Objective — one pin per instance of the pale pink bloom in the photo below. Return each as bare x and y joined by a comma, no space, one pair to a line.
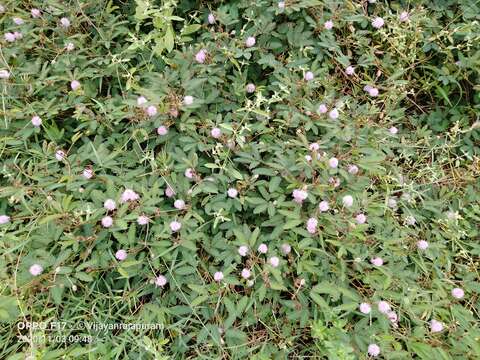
334,181
308,76
246,273
308,158
190,173
333,162
143,220
378,22
392,203
286,248
4,219
410,220
250,41
70,46
392,316
121,255
110,204
218,276
188,100
175,226
422,245
75,84
151,110
169,192
458,293
323,206
232,192
179,204
141,100
299,195
18,35
4,74
350,70
383,307
107,221
393,130
436,326
373,350
373,91
18,21
160,281
201,56
365,308
328,25
243,250
314,146
347,200
36,121
216,133
64,22
333,114
263,248
353,169
162,130
250,88
10,37
361,219
211,19
404,16
377,261
274,261
87,173
35,13
129,195
312,225
2,9
322,108
36,269
281,4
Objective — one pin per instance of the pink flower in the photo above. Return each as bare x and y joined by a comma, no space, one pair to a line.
121,255
378,22
361,219
274,261
333,162
64,22
188,100
410,220
250,41
160,281
87,173
190,173
18,35
328,25
347,200
392,316
60,155
35,13
36,269
141,100
353,169
373,92
422,245
36,121
218,276
243,250
458,293
2,9
18,21
216,133
107,221
4,219
286,248
143,220
323,206
365,308
4,74
211,19
436,326
312,225
129,195
393,130
404,16
232,192
377,261
201,56
151,110
350,70
109,204
162,130
169,192
392,203
246,273
322,108
175,226
263,248
308,76
333,114
308,158
281,4
373,350
314,146
10,37
383,307
75,85
70,46
250,88
299,195
179,204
